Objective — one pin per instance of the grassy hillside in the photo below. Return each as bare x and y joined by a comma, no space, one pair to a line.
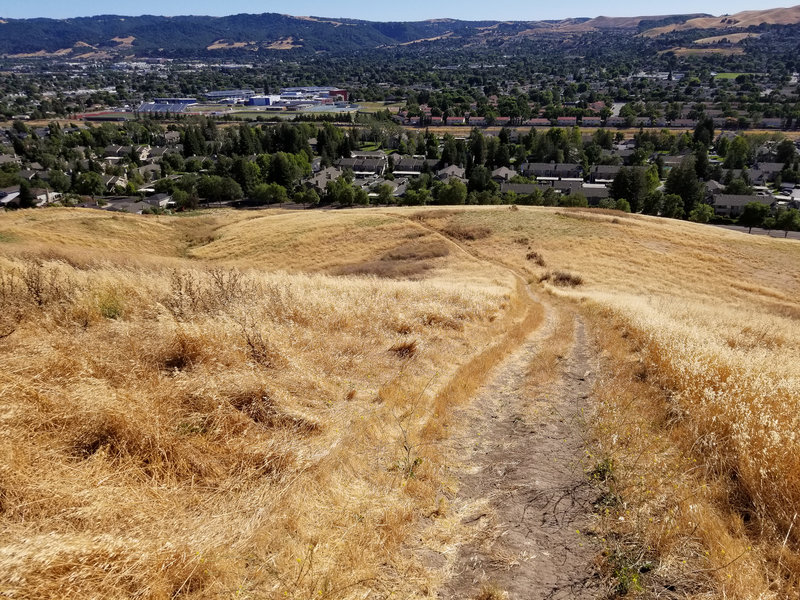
252,403
189,36
698,402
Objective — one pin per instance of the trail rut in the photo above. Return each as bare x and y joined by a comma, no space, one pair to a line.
524,493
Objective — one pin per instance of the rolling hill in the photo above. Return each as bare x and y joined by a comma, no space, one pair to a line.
106,36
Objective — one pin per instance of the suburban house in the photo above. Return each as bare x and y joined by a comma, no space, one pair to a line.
9,196
321,179
538,122
362,167
451,172
732,205
551,170
503,174
410,166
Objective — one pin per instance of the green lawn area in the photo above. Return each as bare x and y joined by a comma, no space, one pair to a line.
729,75
371,107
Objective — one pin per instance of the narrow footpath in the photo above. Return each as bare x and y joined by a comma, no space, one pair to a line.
523,490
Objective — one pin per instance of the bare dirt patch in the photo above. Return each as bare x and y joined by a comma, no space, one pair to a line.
524,493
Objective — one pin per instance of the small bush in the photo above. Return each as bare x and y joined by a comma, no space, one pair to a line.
405,349
562,279
110,304
535,257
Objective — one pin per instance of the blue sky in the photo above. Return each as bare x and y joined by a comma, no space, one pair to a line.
405,10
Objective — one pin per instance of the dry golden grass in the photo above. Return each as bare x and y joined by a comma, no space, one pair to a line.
201,406
176,427
698,403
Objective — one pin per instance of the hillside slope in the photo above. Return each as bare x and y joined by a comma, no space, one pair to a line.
744,19
109,35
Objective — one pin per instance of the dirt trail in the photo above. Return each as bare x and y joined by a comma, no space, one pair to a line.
523,488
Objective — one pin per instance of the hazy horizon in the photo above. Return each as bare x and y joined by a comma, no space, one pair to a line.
411,11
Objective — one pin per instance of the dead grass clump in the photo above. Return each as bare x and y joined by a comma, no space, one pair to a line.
491,592
536,257
417,251
440,320
261,350
386,269
467,233
183,351
562,278
109,437
106,432
36,283
261,408
409,260
438,213
405,349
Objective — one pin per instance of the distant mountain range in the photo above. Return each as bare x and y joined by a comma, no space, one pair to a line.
109,36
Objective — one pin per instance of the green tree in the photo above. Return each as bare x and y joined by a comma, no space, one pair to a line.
25,198
753,215
481,180
269,193
739,187
631,184
361,197
653,203
454,192
384,192
786,152
672,206
183,200
704,132
578,200
215,188
683,181
702,213
59,180
340,191
246,173
309,196
738,154
284,169
89,184
788,220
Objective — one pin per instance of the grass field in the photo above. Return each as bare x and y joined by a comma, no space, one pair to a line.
729,75
233,404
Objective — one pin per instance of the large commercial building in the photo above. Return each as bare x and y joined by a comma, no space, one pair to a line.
230,95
